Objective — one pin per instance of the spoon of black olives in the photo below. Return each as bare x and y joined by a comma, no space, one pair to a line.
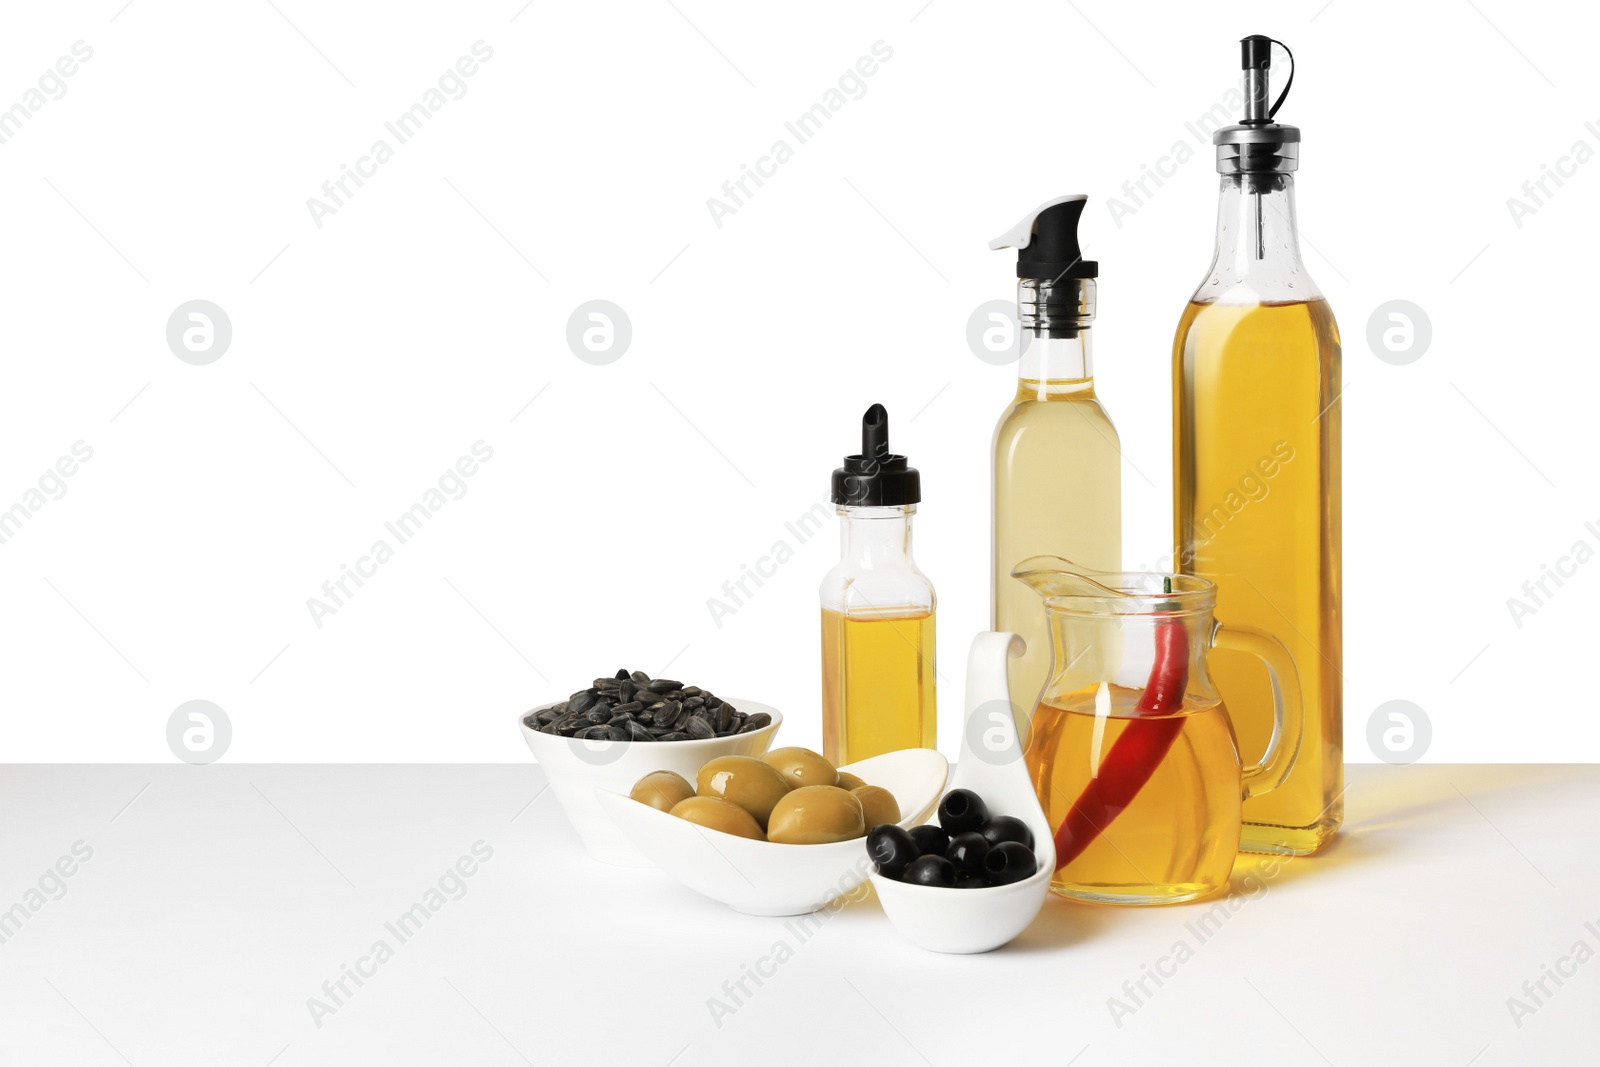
968,849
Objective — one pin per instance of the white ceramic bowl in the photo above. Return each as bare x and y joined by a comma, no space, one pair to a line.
979,920
763,878
576,768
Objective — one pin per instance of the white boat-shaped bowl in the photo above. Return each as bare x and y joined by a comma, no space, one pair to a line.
763,878
576,768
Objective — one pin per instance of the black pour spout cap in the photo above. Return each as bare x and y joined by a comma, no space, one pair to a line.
1046,241
876,478
1255,52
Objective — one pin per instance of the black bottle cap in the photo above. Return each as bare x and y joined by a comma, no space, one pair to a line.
877,478
1255,52
1046,241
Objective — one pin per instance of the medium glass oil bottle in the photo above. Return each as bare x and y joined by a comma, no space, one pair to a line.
1256,440
1057,459
878,692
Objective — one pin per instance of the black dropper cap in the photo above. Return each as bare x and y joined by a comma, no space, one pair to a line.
876,478
1053,253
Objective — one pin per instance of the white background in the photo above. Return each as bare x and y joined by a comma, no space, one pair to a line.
368,354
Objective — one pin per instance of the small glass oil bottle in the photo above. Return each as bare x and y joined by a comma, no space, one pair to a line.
877,609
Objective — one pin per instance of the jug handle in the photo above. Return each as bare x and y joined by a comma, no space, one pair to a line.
1287,717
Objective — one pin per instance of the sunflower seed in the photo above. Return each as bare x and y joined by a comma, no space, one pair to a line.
669,713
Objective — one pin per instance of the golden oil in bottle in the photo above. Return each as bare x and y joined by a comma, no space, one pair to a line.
878,693
1057,492
1256,439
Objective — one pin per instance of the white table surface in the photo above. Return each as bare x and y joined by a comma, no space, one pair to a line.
219,899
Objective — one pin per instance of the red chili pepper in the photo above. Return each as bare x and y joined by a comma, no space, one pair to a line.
1139,750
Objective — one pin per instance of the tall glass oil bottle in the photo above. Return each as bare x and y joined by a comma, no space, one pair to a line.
878,678
1256,464
1057,459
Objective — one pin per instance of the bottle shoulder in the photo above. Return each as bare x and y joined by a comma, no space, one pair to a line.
882,592
1032,415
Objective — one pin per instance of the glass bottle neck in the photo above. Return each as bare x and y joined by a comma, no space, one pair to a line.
875,536
1056,354
1257,257
1052,367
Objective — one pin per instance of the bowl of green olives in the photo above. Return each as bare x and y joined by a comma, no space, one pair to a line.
578,762
778,835
978,878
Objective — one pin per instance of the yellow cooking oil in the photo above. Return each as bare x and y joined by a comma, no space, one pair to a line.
1257,490
878,692
1057,492
1176,839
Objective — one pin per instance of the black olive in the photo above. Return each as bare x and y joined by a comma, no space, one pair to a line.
962,810
1006,828
976,881
930,840
930,870
1009,862
966,852
892,849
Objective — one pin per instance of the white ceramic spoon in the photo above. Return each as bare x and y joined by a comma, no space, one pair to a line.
991,765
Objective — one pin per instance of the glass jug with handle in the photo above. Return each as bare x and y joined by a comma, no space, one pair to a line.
1131,750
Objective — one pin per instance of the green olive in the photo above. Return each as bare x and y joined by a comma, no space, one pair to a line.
877,804
801,766
714,813
662,789
746,781
849,781
816,815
